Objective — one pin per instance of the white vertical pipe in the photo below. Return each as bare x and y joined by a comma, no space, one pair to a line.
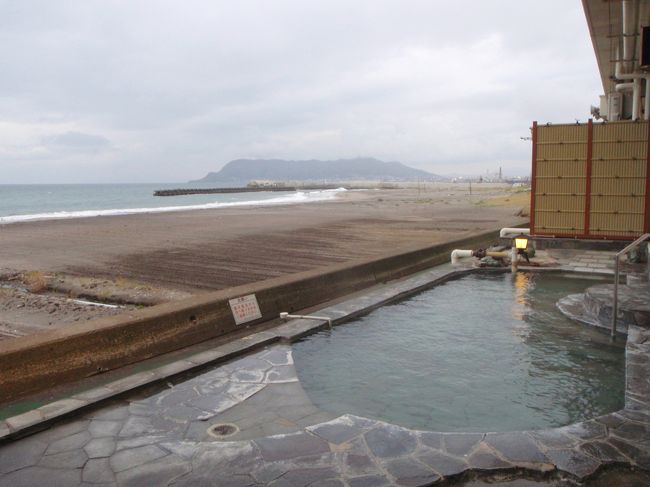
636,99
646,104
626,11
629,25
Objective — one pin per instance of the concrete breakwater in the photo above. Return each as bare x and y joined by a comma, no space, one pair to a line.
254,189
182,191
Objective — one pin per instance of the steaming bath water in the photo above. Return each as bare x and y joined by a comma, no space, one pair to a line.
487,352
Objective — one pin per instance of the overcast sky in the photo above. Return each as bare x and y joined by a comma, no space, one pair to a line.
157,91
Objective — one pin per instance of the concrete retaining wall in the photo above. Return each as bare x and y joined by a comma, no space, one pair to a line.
35,363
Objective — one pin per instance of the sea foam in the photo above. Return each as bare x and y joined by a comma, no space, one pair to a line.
296,198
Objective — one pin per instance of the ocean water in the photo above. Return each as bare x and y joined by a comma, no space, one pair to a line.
19,203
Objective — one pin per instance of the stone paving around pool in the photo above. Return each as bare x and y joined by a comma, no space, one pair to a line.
159,437
587,260
159,434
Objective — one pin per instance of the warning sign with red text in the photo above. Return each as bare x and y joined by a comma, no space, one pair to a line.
245,309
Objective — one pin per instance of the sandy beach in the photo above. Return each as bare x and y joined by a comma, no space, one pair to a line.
146,259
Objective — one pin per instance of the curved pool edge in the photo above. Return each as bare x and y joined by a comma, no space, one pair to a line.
351,447
370,447
419,457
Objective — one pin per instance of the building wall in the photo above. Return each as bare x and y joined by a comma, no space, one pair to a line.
591,180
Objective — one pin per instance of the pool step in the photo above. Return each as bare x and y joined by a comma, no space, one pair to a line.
594,307
635,279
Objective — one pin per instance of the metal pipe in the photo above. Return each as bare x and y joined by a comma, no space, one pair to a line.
618,74
625,62
622,87
646,104
628,76
629,27
628,248
636,98
511,232
456,255
285,316
615,304
496,254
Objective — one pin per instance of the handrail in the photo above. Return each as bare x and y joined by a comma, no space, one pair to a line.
631,246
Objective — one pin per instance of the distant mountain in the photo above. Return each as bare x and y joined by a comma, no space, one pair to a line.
242,171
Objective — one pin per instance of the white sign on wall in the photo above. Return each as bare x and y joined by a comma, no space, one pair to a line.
245,309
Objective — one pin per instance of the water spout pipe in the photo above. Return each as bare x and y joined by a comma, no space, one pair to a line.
285,316
458,253
511,232
497,254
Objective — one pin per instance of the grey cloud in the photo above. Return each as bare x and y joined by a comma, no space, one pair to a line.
76,141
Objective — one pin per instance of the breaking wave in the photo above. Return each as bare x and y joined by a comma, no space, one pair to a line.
296,198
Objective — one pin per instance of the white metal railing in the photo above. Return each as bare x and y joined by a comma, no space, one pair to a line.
632,246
